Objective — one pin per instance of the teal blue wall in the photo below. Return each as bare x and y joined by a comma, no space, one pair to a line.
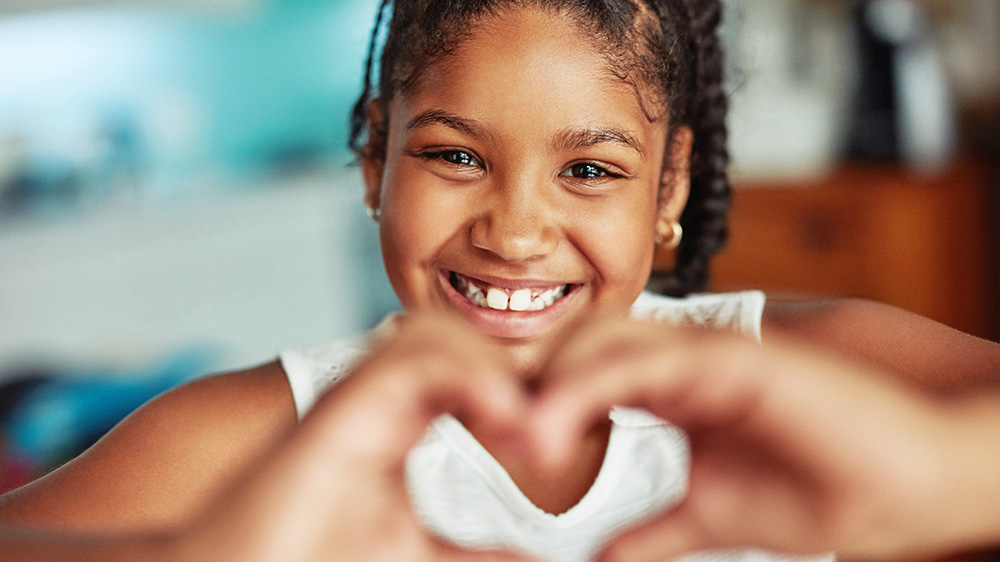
201,98
283,79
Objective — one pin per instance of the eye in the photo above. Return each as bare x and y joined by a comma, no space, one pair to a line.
588,171
456,157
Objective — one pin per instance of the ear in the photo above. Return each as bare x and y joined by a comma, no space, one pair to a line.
675,183
372,157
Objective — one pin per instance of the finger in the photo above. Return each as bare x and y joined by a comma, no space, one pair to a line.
655,369
428,369
694,379
664,537
490,557
387,415
451,553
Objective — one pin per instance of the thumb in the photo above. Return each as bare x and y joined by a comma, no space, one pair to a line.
664,537
452,553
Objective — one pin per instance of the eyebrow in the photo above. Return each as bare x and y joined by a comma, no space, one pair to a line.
468,127
584,138
569,138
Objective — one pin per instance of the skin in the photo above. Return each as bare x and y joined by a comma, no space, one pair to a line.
913,348
291,506
514,220
507,209
793,449
466,188
327,464
857,484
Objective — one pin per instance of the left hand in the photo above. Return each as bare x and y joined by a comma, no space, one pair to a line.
791,452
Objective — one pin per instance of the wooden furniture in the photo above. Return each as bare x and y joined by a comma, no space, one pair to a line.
920,242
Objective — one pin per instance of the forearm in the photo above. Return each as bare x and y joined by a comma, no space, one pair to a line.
910,347
971,509
29,545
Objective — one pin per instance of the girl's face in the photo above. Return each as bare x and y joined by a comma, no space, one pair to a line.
521,186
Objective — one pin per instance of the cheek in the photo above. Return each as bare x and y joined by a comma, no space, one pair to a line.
416,224
406,232
619,244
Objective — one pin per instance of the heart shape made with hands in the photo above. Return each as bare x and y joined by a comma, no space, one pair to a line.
539,436
703,382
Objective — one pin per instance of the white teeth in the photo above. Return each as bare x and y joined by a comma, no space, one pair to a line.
520,300
549,297
496,299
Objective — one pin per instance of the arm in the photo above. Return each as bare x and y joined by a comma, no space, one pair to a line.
164,462
20,545
329,489
792,451
889,339
336,489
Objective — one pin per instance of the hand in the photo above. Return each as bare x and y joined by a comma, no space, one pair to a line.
335,490
791,452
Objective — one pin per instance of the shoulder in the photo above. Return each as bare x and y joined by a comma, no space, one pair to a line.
894,340
260,393
167,459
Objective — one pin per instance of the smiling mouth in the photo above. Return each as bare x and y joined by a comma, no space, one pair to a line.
498,298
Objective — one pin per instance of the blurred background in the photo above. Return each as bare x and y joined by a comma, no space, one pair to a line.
865,146
176,196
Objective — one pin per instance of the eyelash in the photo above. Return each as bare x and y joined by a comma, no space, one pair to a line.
466,158
601,171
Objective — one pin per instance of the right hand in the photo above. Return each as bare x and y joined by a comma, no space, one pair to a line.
335,489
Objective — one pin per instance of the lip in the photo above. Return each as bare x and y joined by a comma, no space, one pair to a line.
508,324
513,284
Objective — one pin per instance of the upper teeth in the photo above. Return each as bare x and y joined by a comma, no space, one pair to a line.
518,300
497,299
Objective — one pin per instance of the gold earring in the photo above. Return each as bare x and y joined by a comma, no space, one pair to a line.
374,213
676,233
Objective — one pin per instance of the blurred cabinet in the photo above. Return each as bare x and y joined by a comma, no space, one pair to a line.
919,242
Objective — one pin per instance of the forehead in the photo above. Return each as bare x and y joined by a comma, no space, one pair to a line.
534,68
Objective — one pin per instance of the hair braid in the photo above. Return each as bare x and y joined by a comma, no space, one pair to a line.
704,217
359,113
670,45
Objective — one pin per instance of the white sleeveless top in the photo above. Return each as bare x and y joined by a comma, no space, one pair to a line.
464,495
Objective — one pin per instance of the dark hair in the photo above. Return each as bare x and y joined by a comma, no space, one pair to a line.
669,50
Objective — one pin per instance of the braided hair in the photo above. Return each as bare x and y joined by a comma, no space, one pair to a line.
669,50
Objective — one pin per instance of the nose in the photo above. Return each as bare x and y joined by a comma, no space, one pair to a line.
516,223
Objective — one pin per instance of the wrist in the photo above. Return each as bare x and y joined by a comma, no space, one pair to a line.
971,502
148,548
29,545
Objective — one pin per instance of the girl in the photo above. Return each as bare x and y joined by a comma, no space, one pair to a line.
523,160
